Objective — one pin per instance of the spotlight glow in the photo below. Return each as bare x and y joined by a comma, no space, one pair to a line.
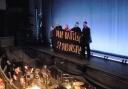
34,87
68,86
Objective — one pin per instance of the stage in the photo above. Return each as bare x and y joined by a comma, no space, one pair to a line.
106,73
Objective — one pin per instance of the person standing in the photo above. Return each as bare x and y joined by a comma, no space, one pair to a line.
76,28
85,40
66,28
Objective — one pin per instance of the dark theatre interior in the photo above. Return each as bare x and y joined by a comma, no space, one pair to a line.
63,44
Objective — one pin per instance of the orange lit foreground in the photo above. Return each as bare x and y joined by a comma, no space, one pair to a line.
34,87
2,86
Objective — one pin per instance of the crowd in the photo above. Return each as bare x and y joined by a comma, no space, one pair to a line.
26,77
23,75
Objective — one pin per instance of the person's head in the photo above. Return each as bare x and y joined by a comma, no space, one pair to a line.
26,67
52,27
66,26
85,24
77,24
17,69
45,66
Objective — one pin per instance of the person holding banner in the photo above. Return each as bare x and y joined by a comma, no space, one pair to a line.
66,28
85,40
76,28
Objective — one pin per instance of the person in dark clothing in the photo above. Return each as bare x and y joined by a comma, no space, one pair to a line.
3,61
58,27
53,36
6,65
76,28
85,40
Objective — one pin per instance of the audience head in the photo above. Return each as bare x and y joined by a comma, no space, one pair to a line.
17,69
45,66
26,67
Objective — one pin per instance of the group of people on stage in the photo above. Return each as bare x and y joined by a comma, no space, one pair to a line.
85,39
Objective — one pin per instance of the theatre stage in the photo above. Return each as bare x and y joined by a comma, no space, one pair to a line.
105,73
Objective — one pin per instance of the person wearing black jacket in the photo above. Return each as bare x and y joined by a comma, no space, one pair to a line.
85,40
76,28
